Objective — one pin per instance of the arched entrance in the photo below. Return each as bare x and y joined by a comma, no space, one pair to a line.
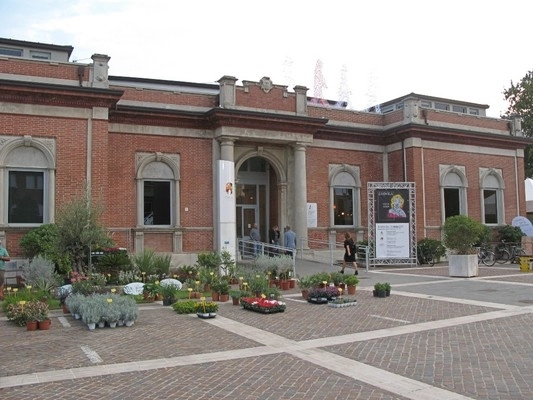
256,197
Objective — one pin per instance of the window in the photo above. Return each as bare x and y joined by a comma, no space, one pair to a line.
492,186
453,190
460,109
8,51
490,203
40,55
452,203
156,203
442,106
26,197
157,186
343,206
473,111
27,183
345,191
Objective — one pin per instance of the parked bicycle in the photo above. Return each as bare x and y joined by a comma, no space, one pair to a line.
486,256
425,256
501,253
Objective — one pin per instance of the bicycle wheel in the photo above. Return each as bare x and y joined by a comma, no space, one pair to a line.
502,256
488,258
430,260
519,252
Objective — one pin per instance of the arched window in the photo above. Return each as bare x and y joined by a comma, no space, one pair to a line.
345,194
453,191
28,180
491,184
158,185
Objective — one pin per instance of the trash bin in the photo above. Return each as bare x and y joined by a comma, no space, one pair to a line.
525,263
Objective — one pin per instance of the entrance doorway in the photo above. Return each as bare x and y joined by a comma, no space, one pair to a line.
254,198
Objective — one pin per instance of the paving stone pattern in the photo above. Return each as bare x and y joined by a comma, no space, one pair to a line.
435,337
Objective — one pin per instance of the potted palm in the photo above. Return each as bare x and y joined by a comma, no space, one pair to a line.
461,233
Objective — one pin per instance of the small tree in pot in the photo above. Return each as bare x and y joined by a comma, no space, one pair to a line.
461,234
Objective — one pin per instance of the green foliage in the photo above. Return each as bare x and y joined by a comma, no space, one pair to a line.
39,274
162,264
144,262
461,233
43,241
79,230
510,234
185,307
351,280
209,260
431,246
113,260
520,98
380,287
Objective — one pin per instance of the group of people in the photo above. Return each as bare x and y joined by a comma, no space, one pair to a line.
274,235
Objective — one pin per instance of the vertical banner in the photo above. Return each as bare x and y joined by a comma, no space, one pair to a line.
226,219
394,221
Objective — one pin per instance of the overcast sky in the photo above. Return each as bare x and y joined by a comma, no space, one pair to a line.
467,50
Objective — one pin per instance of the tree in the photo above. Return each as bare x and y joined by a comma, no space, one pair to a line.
79,230
520,98
42,241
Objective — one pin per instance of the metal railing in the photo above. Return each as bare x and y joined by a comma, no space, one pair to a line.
329,253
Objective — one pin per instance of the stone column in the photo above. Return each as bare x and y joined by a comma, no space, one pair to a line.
226,149
300,195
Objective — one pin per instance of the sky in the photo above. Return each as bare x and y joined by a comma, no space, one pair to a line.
370,51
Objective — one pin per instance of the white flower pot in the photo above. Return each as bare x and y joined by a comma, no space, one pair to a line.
464,266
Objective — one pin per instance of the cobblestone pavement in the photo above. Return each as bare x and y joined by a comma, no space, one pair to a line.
435,337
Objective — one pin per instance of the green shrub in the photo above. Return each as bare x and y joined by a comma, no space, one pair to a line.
510,234
431,246
462,233
185,307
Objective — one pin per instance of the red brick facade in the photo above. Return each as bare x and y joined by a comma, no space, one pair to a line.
113,125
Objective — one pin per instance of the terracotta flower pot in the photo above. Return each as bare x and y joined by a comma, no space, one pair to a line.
351,289
224,297
215,296
31,325
44,325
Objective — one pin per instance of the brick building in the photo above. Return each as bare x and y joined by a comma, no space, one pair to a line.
150,152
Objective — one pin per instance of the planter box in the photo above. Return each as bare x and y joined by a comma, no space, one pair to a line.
317,300
464,266
347,303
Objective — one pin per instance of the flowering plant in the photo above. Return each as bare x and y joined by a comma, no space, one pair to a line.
206,307
328,292
262,305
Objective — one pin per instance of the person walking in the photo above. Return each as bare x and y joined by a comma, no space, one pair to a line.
289,239
273,237
350,251
4,256
255,235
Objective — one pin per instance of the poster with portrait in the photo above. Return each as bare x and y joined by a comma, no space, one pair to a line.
392,205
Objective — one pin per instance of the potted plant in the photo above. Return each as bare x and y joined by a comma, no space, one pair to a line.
351,281
18,313
169,292
223,289
235,296
111,311
380,290
91,313
206,309
461,234
304,283
387,288
129,312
